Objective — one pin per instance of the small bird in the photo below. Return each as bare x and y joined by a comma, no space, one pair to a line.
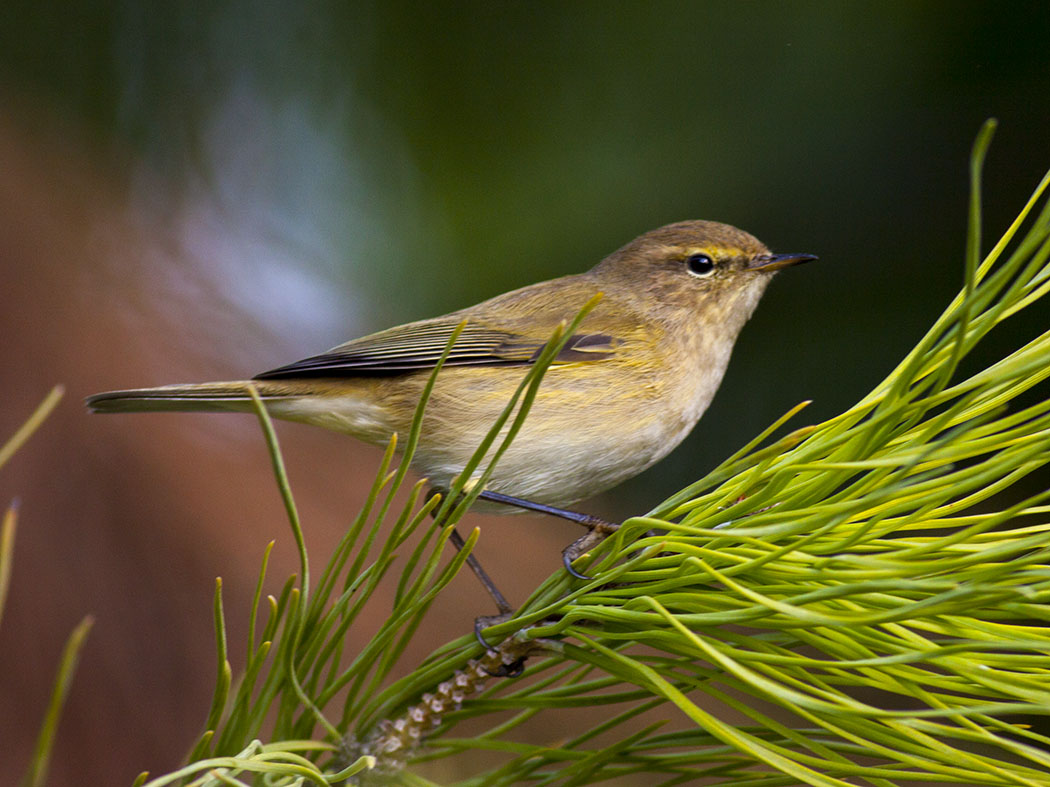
624,390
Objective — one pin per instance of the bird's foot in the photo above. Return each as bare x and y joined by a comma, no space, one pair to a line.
506,660
597,531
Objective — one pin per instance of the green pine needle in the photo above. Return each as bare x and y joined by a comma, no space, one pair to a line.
853,588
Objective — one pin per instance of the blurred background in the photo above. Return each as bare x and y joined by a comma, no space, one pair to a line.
197,191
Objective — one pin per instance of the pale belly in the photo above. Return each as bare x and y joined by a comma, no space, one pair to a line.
559,471
575,441
583,434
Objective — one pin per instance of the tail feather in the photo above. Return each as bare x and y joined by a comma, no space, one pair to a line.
202,397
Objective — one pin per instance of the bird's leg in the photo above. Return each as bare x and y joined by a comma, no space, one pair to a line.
505,609
597,528
482,575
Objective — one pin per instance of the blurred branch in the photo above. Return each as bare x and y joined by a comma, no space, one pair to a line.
26,430
36,775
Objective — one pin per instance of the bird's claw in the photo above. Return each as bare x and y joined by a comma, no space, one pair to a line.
484,622
512,670
504,670
566,559
596,533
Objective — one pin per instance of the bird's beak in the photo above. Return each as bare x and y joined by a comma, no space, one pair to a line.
774,262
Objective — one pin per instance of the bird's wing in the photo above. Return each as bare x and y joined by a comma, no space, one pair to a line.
419,345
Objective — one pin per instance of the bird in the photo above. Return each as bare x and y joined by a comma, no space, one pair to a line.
624,390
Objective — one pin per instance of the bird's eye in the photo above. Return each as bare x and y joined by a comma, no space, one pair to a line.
699,265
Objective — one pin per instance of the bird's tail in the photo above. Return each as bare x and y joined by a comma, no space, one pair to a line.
199,397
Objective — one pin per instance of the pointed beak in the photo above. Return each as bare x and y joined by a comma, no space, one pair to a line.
774,262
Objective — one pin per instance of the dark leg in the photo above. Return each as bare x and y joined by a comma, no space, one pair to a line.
482,575
597,528
505,609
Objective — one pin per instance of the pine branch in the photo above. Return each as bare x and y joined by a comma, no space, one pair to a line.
851,587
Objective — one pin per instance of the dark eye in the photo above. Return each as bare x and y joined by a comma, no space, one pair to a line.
699,264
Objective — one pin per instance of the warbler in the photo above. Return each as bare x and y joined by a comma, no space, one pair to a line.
624,390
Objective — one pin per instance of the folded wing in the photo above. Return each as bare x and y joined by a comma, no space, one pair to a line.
417,346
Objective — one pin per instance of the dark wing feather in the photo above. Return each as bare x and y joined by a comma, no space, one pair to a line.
416,346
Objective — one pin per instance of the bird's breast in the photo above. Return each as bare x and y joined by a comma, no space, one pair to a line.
592,424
